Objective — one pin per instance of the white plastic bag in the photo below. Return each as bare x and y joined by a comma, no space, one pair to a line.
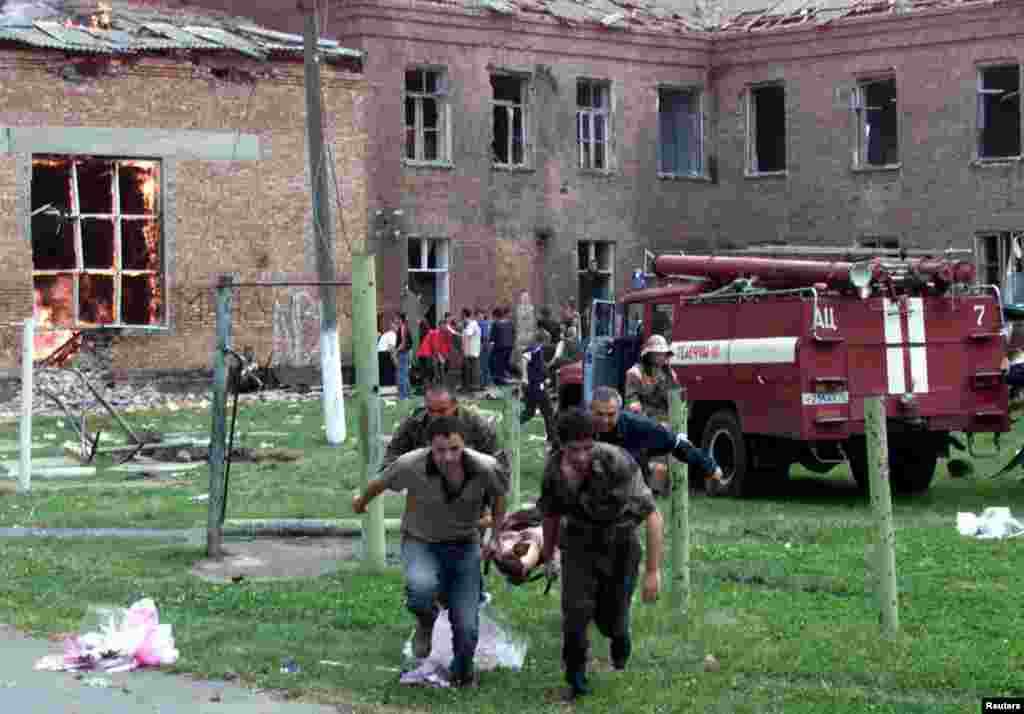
496,647
994,522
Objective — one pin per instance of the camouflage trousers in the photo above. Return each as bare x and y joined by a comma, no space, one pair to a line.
599,576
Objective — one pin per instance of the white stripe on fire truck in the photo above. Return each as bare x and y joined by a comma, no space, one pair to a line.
894,355
764,350
918,351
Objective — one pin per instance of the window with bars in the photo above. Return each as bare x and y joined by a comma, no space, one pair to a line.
510,107
593,108
878,143
97,242
426,116
999,112
680,132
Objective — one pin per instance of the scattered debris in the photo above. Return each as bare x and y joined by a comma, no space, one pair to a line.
116,640
290,666
711,663
200,499
994,522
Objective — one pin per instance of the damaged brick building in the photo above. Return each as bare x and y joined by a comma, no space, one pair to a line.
515,141
144,152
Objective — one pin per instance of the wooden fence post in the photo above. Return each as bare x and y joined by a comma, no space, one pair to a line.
679,477
25,429
364,338
218,428
881,503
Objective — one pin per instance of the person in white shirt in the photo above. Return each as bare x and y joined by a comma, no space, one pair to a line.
388,341
470,352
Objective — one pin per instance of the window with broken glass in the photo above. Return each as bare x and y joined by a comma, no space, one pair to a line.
766,129
995,257
592,111
426,114
999,112
874,104
508,147
97,242
680,132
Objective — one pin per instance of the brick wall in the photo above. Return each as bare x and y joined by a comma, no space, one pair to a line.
249,218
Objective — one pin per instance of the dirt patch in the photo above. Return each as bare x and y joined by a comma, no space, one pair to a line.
279,558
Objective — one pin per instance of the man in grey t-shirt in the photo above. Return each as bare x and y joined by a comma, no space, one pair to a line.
446,484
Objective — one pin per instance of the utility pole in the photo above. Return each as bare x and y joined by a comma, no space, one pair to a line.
323,235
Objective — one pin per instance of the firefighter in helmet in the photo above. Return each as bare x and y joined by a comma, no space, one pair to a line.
647,386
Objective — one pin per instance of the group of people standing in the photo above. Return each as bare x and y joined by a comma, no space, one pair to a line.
486,342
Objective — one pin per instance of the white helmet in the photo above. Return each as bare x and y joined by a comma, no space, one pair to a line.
656,343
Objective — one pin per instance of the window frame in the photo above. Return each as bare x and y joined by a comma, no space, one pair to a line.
750,165
117,272
858,102
526,91
607,111
979,111
701,135
444,132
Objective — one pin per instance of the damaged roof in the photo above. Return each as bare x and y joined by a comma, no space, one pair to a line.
121,27
700,15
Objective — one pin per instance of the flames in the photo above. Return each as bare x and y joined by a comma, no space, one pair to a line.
68,299
49,310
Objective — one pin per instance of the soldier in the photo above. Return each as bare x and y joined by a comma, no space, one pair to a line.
447,484
439,400
600,492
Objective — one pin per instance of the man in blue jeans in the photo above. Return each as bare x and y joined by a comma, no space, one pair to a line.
485,348
446,485
404,349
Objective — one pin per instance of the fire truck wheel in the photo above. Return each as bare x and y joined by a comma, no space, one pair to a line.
911,465
723,437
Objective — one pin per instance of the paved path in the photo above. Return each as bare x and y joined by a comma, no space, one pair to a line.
25,691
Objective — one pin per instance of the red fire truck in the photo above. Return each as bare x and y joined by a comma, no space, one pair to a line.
776,357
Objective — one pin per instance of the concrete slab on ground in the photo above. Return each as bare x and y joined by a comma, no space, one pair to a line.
150,691
279,558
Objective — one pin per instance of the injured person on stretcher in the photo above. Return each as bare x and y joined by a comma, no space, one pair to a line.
521,545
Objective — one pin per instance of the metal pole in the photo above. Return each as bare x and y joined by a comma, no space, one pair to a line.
218,428
324,238
680,510
364,338
25,430
881,504
511,437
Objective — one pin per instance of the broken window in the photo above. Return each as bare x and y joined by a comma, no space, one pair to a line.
428,275
999,112
97,245
509,103
596,269
592,110
680,132
766,129
877,123
426,114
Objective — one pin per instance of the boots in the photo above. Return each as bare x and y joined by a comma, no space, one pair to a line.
620,651
424,636
578,685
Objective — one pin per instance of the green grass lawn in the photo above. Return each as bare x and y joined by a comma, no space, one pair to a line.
782,593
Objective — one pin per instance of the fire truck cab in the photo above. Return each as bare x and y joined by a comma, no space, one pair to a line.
777,357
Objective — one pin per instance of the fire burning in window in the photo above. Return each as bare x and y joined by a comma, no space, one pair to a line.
97,246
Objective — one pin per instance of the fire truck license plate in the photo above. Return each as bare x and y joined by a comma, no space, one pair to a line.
811,399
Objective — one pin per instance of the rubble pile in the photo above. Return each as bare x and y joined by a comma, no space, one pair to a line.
92,363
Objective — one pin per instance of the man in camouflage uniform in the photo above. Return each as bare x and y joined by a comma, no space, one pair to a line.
600,493
439,400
